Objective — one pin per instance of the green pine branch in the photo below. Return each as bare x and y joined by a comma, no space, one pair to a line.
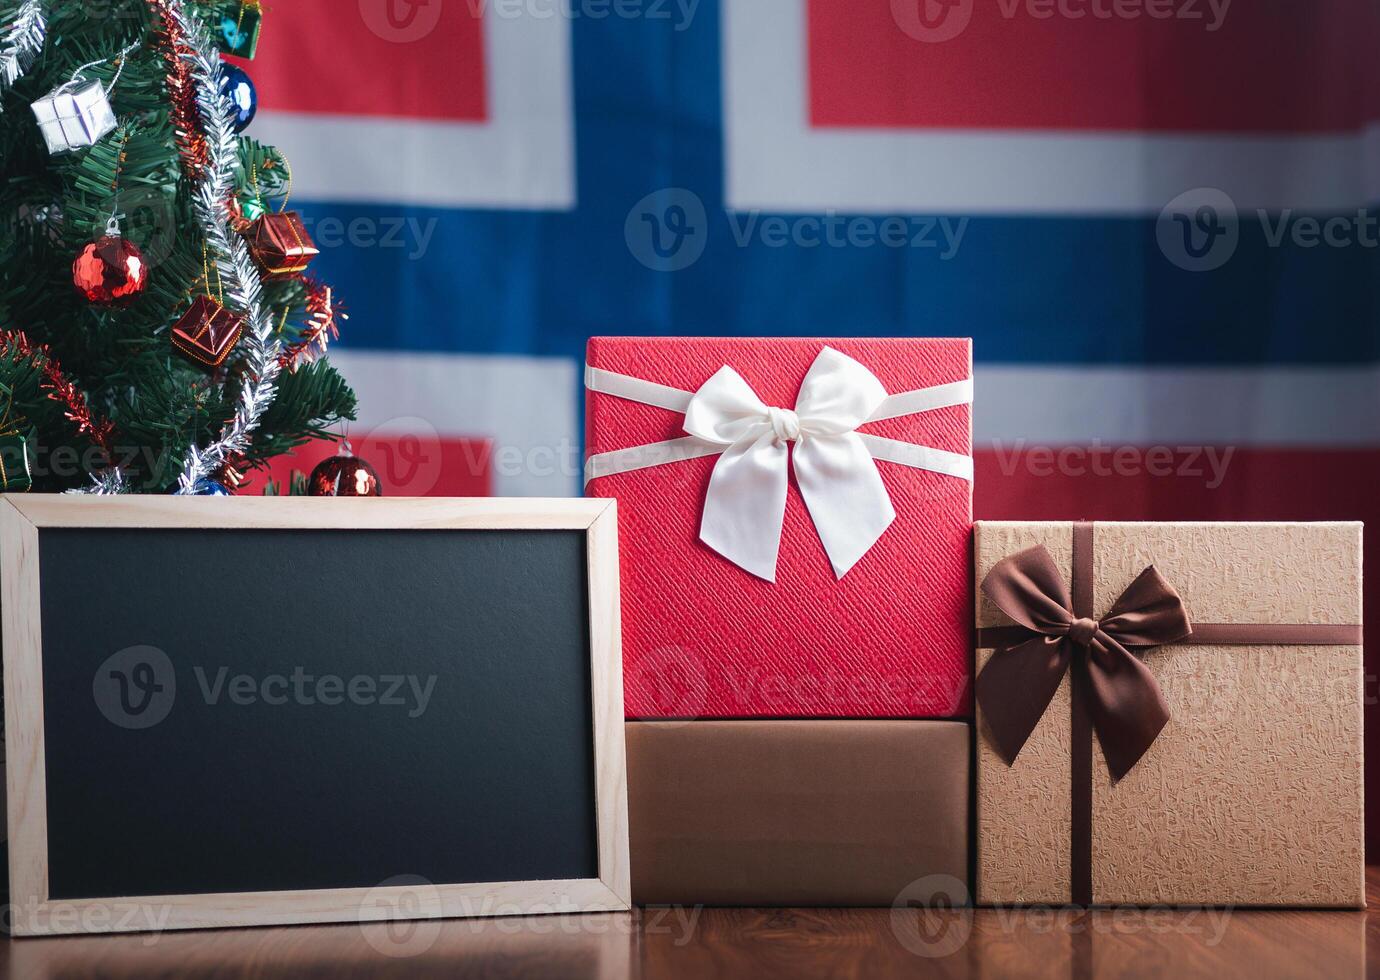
160,402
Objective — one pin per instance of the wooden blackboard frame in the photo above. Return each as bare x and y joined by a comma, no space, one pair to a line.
32,911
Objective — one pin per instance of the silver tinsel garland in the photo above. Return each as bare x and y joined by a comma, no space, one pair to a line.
22,42
257,357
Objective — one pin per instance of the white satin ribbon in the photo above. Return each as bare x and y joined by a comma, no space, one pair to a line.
745,505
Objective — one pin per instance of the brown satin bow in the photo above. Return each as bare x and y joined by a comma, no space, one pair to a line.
1123,701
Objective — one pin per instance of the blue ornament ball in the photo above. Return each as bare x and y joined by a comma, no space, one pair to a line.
210,488
240,87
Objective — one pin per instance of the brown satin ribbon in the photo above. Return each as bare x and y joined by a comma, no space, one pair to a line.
1080,750
1216,635
1110,689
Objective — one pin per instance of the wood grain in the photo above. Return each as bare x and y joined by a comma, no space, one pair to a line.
605,611
26,786
419,513
754,944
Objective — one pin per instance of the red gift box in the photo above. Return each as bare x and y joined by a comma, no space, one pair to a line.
281,245
207,332
886,636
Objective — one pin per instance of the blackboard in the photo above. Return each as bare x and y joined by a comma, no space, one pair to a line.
240,706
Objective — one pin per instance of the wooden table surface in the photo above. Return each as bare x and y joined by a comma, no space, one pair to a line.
750,943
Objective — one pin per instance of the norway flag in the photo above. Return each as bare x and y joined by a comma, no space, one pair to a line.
1153,216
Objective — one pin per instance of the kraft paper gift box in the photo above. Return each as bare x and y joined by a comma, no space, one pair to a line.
789,813
1203,740
794,519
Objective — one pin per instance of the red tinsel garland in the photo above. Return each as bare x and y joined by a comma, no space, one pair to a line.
323,316
182,107
60,389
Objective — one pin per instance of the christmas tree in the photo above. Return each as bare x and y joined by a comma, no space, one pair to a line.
159,331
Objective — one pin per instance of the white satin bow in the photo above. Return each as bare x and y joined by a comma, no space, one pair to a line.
838,479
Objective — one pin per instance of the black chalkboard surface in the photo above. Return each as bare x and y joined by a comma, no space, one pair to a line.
233,716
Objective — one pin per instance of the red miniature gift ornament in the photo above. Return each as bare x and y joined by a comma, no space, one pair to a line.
794,520
207,332
280,245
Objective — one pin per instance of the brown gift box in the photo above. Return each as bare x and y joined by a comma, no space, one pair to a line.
1251,794
791,813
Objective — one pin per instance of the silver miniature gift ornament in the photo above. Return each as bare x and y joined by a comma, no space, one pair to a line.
74,116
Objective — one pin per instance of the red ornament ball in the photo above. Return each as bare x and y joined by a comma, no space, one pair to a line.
344,476
110,271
